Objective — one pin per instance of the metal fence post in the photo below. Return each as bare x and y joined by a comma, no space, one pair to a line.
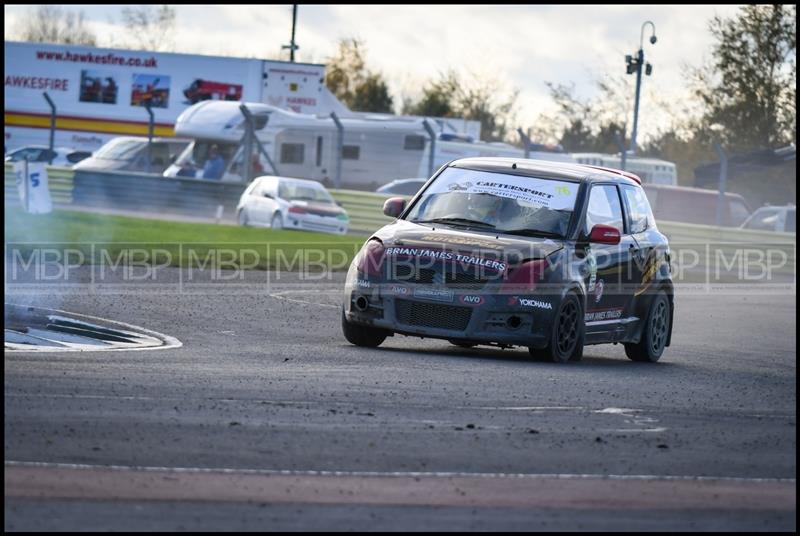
52,125
27,188
723,181
526,142
623,154
254,138
149,135
432,135
339,149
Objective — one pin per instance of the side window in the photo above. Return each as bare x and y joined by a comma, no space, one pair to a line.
765,220
640,217
604,208
414,142
351,152
292,153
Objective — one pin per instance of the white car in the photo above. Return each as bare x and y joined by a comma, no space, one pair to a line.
59,156
782,219
287,203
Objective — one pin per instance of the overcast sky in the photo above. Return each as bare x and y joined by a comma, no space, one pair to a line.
521,46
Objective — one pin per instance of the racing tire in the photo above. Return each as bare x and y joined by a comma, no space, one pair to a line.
277,221
242,218
655,333
566,335
364,336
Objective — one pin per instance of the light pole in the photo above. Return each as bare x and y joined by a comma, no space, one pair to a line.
635,65
292,46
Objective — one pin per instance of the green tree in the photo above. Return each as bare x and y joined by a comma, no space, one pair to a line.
586,125
52,24
353,83
472,98
748,90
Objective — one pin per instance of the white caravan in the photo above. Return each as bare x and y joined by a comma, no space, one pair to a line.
651,170
375,149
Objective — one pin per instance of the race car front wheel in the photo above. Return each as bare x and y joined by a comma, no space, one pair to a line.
277,221
566,334
654,334
362,335
242,216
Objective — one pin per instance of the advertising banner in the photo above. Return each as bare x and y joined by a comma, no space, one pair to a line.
100,93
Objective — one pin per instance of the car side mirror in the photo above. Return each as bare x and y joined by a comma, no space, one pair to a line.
604,234
394,206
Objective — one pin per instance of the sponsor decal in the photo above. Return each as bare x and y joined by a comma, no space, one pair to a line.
608,314
446,255
591,263
530,302
552,194
400,290
472,300
462,241
598,291
363,283
434,294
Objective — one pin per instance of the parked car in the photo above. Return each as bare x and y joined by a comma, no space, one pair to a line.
287,203
59,156
504,252
695,205
128,153
402,187
782,219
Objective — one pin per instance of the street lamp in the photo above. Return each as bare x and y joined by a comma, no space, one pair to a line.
292,46
635,66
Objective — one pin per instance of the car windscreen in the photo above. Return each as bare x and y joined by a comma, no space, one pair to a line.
292,191
120,149
498,202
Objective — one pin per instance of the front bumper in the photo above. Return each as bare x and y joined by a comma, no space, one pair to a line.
482,316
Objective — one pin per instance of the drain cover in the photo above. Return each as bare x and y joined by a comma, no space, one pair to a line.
36,329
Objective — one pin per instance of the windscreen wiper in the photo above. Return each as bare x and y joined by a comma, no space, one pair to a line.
531,232
457,221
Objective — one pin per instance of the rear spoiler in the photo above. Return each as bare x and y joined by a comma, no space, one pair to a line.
626,174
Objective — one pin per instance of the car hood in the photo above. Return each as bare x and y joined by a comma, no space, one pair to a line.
508,249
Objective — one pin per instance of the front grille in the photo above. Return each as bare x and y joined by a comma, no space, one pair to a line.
432,315
449,277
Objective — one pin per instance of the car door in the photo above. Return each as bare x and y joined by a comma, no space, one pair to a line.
645,257
263,201
609,263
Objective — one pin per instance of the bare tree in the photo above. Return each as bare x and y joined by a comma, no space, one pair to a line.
149,27
52,24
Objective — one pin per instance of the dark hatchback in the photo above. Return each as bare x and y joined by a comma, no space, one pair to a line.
508,252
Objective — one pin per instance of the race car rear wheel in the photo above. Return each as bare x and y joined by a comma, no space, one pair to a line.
566,335
655,333
362,335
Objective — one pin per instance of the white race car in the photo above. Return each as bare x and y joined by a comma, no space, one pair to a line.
286,203
59,156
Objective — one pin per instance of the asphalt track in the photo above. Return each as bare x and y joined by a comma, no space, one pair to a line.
266,419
